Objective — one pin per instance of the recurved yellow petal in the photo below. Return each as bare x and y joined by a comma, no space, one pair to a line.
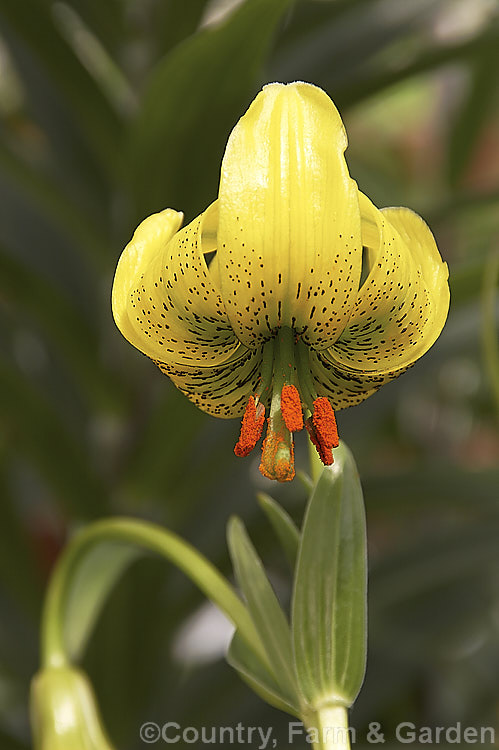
402,306
149,239
342,385
164,298
221,390
289,243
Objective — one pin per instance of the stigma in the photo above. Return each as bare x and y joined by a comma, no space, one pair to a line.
287,391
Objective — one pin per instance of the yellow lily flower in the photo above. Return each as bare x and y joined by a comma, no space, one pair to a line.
257,305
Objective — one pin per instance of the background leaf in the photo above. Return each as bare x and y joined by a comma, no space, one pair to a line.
177,142
257,676
283,525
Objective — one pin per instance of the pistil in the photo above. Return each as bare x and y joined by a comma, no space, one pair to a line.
277,452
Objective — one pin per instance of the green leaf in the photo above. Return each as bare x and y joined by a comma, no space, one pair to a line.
106,20
169,26
191,103
329,601
475,110
95,576
283,525
335,44
376,79
33,23
257,675
265,610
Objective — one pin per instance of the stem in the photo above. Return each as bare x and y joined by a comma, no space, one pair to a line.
147,538
328,728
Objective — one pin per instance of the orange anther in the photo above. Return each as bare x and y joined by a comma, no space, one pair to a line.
325,452
251,427
322,430
324,422
291,408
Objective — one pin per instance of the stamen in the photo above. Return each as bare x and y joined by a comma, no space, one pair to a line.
251,427
286,415
325,453
291,408
278,455
322,430
325,422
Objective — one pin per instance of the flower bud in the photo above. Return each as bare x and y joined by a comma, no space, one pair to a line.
64,712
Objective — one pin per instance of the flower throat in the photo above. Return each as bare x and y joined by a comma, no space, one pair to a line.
286,384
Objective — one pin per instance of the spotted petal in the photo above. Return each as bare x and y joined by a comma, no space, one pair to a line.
289,244
344,387
150,237
164,299
221,390
401,308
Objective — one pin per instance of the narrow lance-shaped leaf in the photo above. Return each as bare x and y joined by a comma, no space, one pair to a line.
475,109
265,610
283,525
257,675
329,602
428,60
93,580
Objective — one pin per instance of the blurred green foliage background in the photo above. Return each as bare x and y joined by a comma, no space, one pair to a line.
113,109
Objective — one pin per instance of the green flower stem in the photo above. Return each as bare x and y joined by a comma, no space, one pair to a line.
145,537
328,728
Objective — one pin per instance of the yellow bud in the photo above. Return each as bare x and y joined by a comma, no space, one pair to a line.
64,712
